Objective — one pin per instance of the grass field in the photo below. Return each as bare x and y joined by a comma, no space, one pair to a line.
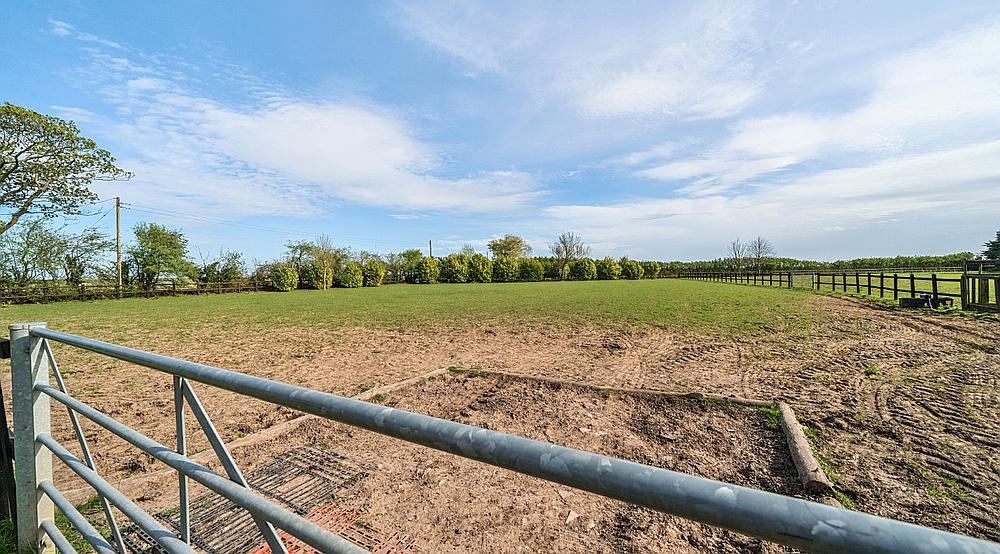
922,287
669,303
849,371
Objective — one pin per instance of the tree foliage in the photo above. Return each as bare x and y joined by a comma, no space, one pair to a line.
505,269
283,278
373,272
454,269
351,276
650,269
759,250
480,269
157,253
992,251
532,270
46,166
228,267
426,271
568,247
631,269
608,269
583,269
510,246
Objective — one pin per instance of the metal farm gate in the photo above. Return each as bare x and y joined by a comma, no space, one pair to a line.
790,521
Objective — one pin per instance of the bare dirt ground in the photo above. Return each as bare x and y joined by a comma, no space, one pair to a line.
904,406
449,504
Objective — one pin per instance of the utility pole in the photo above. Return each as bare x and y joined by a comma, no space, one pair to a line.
430,249
118,240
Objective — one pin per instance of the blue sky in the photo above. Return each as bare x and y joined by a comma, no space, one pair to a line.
655,130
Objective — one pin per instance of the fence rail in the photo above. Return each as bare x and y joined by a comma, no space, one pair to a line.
783,279
786,520
976,288
877,284
53,293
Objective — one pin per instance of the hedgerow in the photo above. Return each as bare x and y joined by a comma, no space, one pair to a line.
532,270
608,269
352,276
373,273
583,269
651,270
283,278
505,269
315,276
426,270
480,269
454,269
631,269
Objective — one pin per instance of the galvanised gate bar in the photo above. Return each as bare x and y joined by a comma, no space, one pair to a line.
790,521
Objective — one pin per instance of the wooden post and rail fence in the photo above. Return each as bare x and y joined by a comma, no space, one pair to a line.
976,288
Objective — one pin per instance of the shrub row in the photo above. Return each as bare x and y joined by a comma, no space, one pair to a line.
284,277
459,268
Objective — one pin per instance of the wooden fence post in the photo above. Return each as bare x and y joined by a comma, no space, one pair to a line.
857,283
895,286
934,286
881,285
869,283
913,287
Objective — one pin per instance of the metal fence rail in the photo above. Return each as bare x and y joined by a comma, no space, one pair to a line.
790,521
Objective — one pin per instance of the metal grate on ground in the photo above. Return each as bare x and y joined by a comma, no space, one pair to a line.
347,523
301,480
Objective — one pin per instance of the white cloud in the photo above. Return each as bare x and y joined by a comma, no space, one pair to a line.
63,29
608,61
854,198
278,153
939,96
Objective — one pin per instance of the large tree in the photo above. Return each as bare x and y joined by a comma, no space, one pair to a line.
158,252
30,253
759,251
568,247
510,246
736,254
46,166
992,251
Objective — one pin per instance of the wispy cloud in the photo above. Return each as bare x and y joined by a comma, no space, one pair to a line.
939,96
63,29
270,152
914,186
609,61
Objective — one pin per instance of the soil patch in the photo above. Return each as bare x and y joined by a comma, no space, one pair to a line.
450,504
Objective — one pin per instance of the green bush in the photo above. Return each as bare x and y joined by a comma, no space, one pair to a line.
553,267
505,269
315,276
426,270
480,269
352,276
373,273
532,270
651,270
583,269
454,269
283,278
631,269
608,269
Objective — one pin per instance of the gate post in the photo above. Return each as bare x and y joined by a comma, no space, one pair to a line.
32,462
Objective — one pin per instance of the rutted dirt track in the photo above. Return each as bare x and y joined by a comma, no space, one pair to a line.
905,405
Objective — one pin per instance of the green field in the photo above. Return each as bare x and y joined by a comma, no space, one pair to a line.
921,287
671,303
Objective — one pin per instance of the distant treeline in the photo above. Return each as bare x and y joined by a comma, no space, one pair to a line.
792,264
